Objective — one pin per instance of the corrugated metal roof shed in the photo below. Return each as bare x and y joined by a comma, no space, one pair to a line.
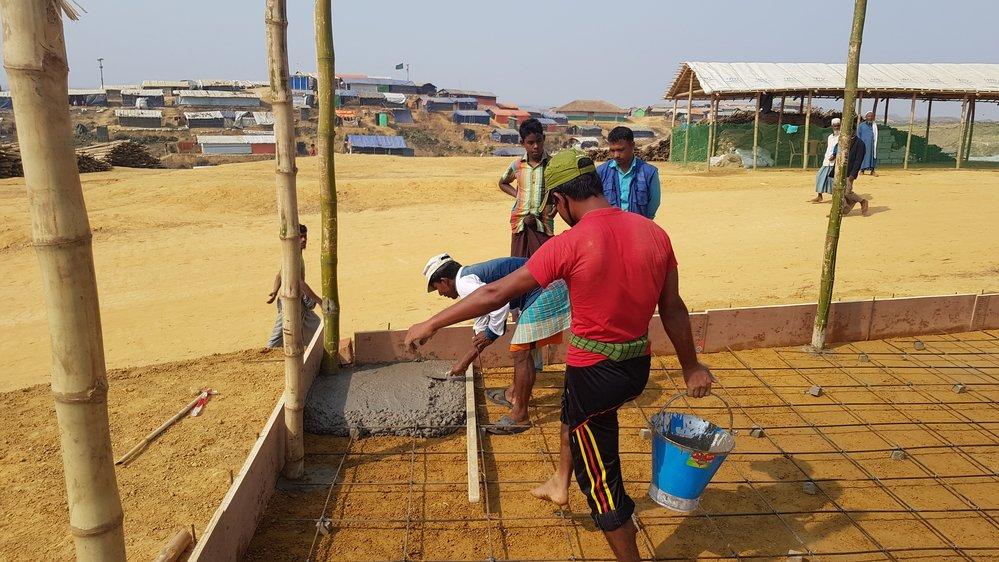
210,83
138,113
376,141
236,139
939,80
591,106
457,92
217,94
472,113
546,121
166,84
143,93
376,81
263,117
203,115
346,93
86,92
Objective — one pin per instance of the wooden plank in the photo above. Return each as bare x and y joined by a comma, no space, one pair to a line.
471,436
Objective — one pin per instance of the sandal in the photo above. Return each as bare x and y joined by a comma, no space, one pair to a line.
506,426
498,396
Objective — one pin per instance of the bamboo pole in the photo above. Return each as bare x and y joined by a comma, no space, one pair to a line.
808,122
672,121
34,51
926,147
885,122
964,123
847,132
711,132
780,121
971,129
756,132
291,246
327,187
875,108
908,138
690,104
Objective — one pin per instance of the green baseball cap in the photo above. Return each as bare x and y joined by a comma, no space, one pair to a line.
565,166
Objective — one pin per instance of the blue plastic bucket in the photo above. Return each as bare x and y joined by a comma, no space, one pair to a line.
686,452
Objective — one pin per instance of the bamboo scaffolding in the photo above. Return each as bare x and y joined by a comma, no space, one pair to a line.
908,137
847,131
34,52
291,253
327,187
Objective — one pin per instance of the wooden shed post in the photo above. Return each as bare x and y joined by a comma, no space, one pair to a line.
971,128
780,121
926,147
908,138
276,20
711,131
672,121
808,122
34,55
885,122
756,132
690,104
964,124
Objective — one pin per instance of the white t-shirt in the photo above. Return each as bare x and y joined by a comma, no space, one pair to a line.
831,143
495,320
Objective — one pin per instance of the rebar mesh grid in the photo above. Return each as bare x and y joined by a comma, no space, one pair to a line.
404,498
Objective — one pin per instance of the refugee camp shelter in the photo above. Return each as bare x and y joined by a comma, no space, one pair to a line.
511,118
217,98
379,84
585,131
592,110
346,117
113,91
482,99
378,144
303,98
345,97
402,116
204,119
426,89
550,125
643,133
88,97
236,144
167,86
143,118
263,119
557,117
470,117
143,98
432,103
509,151
6,102
509,136
302,81
371,99
765,82
225,85
582,143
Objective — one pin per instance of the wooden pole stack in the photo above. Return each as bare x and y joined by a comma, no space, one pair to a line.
34,51
327,187
291,250
808,122
847,132
908,138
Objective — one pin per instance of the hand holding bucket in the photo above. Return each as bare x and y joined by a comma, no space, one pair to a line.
686,452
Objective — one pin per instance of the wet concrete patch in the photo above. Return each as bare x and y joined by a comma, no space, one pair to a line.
391,399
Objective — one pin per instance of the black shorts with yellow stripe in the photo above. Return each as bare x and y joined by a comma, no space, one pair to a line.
590,401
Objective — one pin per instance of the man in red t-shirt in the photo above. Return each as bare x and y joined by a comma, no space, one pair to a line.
619,268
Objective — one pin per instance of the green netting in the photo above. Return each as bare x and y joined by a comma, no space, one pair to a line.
786,148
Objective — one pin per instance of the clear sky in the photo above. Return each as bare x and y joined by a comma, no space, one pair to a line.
540,52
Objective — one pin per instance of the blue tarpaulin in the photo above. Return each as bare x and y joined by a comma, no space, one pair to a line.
471,116
376,141
402,116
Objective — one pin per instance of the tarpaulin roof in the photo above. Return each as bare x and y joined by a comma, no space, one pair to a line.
236,139
86,92
263,117
465,93
547,121
143,93
376,141
138,113
402,116
346,113
203,115
394,97
505,132
346,93
166,83
471,113
378,81
745,79
215,94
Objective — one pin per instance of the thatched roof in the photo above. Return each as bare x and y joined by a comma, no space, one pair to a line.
591,106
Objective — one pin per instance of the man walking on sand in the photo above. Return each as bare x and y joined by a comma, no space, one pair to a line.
310,320
854,162
629,182
542,317
530,224
619,268
867,130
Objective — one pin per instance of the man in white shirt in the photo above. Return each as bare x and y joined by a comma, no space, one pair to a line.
544,315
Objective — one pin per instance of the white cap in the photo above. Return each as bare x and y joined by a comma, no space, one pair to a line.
433,264
836,121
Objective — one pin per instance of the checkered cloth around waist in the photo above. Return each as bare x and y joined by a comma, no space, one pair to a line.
614,351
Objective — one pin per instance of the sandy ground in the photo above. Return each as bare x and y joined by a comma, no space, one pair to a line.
185,258
398,498
178,481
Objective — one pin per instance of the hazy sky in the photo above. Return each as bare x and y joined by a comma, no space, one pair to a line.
542,52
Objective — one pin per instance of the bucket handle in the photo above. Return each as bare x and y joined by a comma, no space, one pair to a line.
731,417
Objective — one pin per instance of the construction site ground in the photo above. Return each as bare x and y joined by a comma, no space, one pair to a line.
176,482
406,498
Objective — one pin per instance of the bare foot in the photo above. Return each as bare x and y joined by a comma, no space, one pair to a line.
817,199
864,206
873,173
551,491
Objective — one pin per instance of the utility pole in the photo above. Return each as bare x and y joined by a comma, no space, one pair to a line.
100,65
848,127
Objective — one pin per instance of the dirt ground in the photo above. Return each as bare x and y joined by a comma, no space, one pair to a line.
401,498
178,481
180,254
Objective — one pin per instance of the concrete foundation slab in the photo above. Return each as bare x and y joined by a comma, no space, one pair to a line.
387,399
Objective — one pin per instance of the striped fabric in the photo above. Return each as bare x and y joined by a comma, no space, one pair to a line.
530,181
548,315
596,472
613,351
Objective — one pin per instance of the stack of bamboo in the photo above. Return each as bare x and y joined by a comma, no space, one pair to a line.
122,153
657,151
10,162
86,164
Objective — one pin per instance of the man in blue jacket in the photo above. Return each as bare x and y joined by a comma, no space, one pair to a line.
629,182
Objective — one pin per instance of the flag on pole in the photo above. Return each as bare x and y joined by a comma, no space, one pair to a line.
399,66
